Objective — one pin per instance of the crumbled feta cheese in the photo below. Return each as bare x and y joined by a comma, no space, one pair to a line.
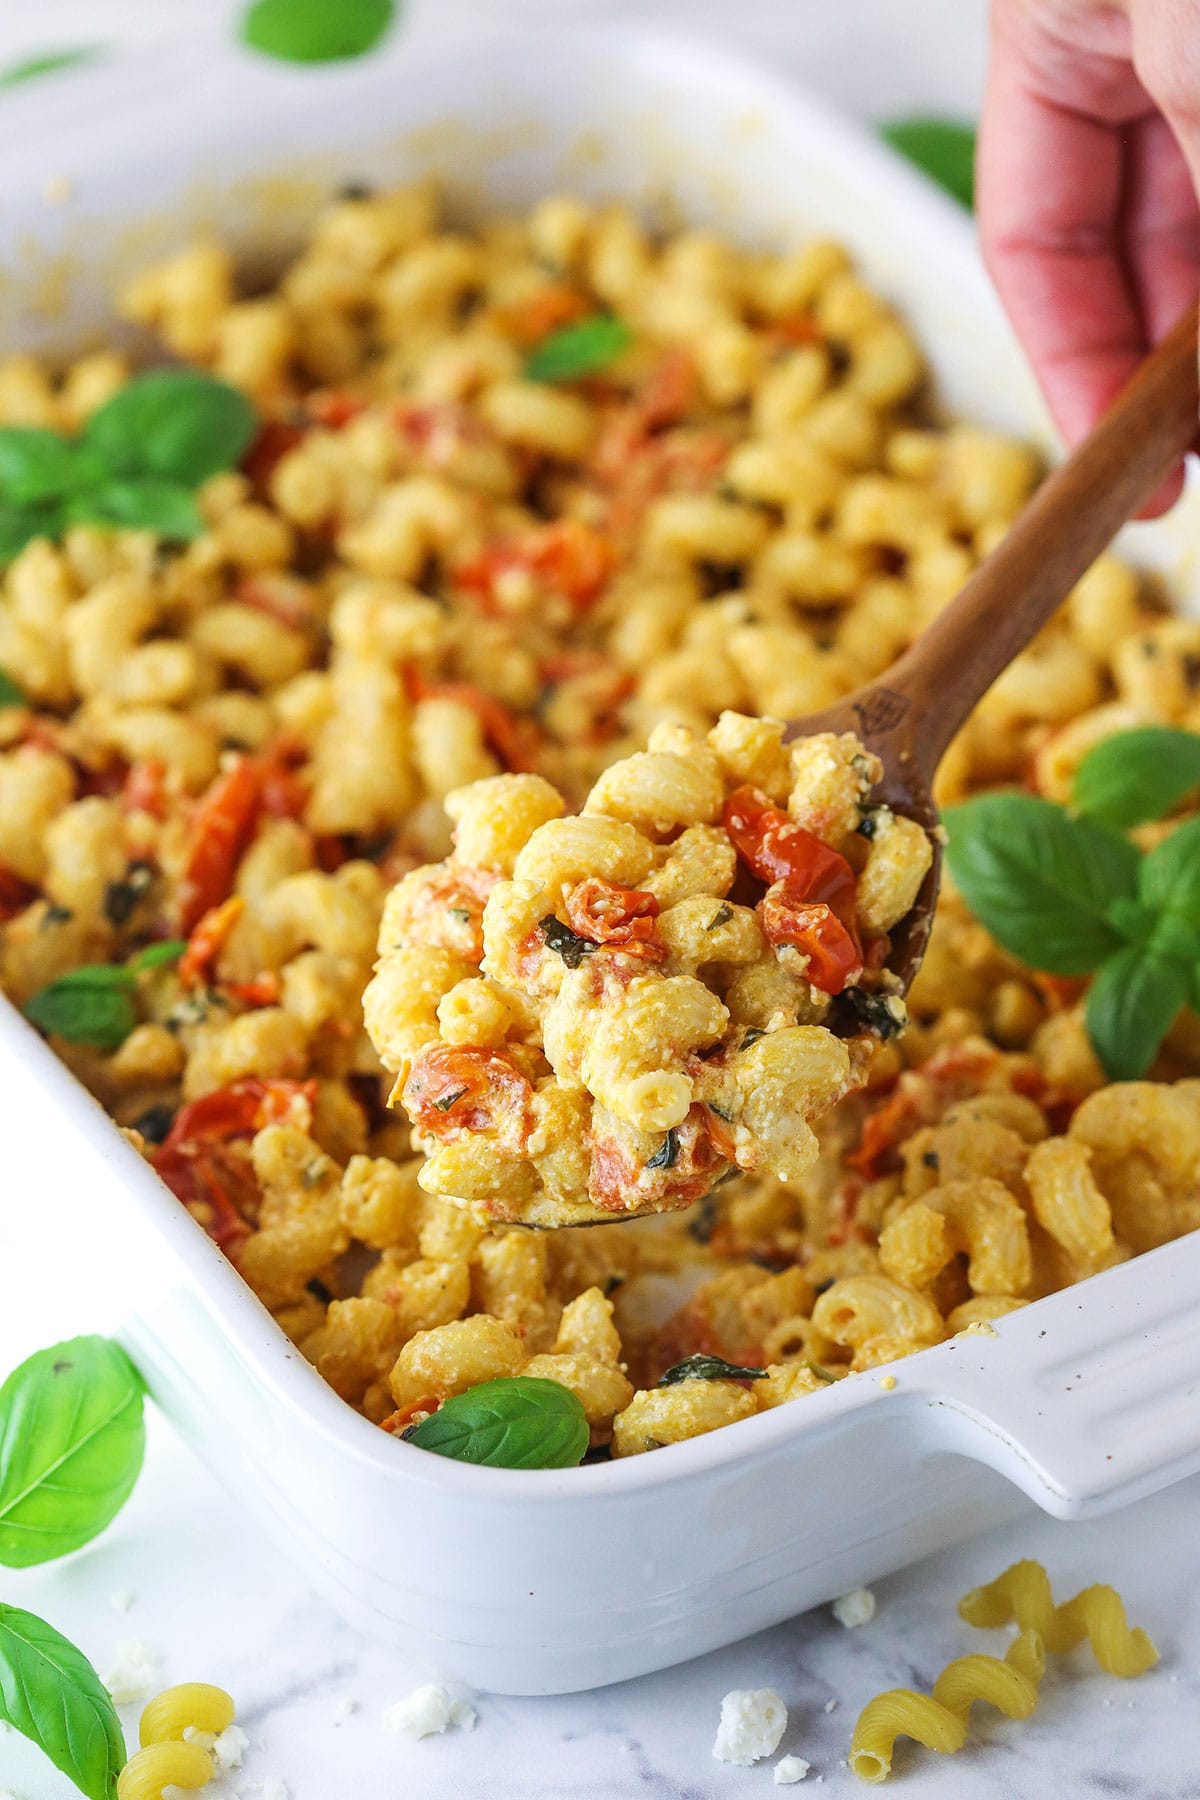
791,1768
978,1328
428,1710
135,1672
752,1722
831,1705
228,1747
853,1609
348,1705
122,1600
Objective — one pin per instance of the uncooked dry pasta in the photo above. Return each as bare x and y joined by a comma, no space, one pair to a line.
443,600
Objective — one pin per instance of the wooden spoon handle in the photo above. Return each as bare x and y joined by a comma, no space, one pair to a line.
1074,515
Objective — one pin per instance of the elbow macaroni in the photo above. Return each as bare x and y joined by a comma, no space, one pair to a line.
530,636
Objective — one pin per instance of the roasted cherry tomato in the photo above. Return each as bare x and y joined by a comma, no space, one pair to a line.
774,846
833,951
568,557
145,789
222,826
621,918
451,1089
204,1158
513,740
207,940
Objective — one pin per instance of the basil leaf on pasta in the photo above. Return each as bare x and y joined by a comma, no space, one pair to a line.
10,693
708,1368
71,1445
1139,775
158,956
51,1694
1169,878
139,503
19,525
88,1005
516,1422
316,31
40,465
179,424
579,349
1042,883
1130,1007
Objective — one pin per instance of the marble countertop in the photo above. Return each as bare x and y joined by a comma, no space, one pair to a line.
181,1572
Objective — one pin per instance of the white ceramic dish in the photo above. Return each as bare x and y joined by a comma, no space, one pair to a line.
548,1582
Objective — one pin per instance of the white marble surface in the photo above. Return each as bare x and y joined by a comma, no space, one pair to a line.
217,1600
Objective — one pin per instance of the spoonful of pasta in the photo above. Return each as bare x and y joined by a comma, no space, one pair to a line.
598,1015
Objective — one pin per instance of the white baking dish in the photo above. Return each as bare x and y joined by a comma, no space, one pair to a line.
548,1582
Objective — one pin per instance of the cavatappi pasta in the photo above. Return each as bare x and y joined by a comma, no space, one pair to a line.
436,579
177,1731
631,1029
939,1720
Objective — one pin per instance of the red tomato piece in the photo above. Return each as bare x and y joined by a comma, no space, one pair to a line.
15,894
275,438
208,939
513,740
789,917
334,408
567,557
260,990
145,789
451,1090
774,847
548,309
203,1158
221,829
620,918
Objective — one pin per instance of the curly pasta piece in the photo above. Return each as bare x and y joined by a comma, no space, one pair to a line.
1023,1593
939,1720
195,1703
159,1766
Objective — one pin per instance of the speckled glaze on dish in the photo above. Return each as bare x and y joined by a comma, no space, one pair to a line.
556,1581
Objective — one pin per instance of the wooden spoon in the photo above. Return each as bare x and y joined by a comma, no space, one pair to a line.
910,714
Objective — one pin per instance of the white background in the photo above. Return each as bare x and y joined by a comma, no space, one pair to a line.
216,1600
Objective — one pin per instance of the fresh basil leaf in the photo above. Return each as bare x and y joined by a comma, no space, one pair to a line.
316,31
51,1694
708,1368
1042,882
667,1154
1170,874
1138,775
517,1422
158,956
40,465
49,64
10,693
1130,1007
579,349
179,424
19,525
88,1005
71,1446
138,503
943,149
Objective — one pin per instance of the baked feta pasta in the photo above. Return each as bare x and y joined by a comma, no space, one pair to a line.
453,687
631,1030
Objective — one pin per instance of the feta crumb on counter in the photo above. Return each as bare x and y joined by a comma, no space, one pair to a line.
135,1672
831,1704
122,1600
427,1710
752,1722
228,1747
348,1705
270,1789
791,1768
857,1608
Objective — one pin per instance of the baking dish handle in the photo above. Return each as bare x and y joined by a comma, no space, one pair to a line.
1088,1400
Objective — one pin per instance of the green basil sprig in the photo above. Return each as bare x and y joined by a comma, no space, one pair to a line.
701,1367
1138,775
10,693
943,149
94,1003
579,349
52,1695
1069,894
316,31
71,1446
516,1422
134,466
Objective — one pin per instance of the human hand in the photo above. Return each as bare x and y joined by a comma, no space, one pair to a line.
1086,188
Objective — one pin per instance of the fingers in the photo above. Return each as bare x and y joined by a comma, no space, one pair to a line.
1161,232
1049,184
